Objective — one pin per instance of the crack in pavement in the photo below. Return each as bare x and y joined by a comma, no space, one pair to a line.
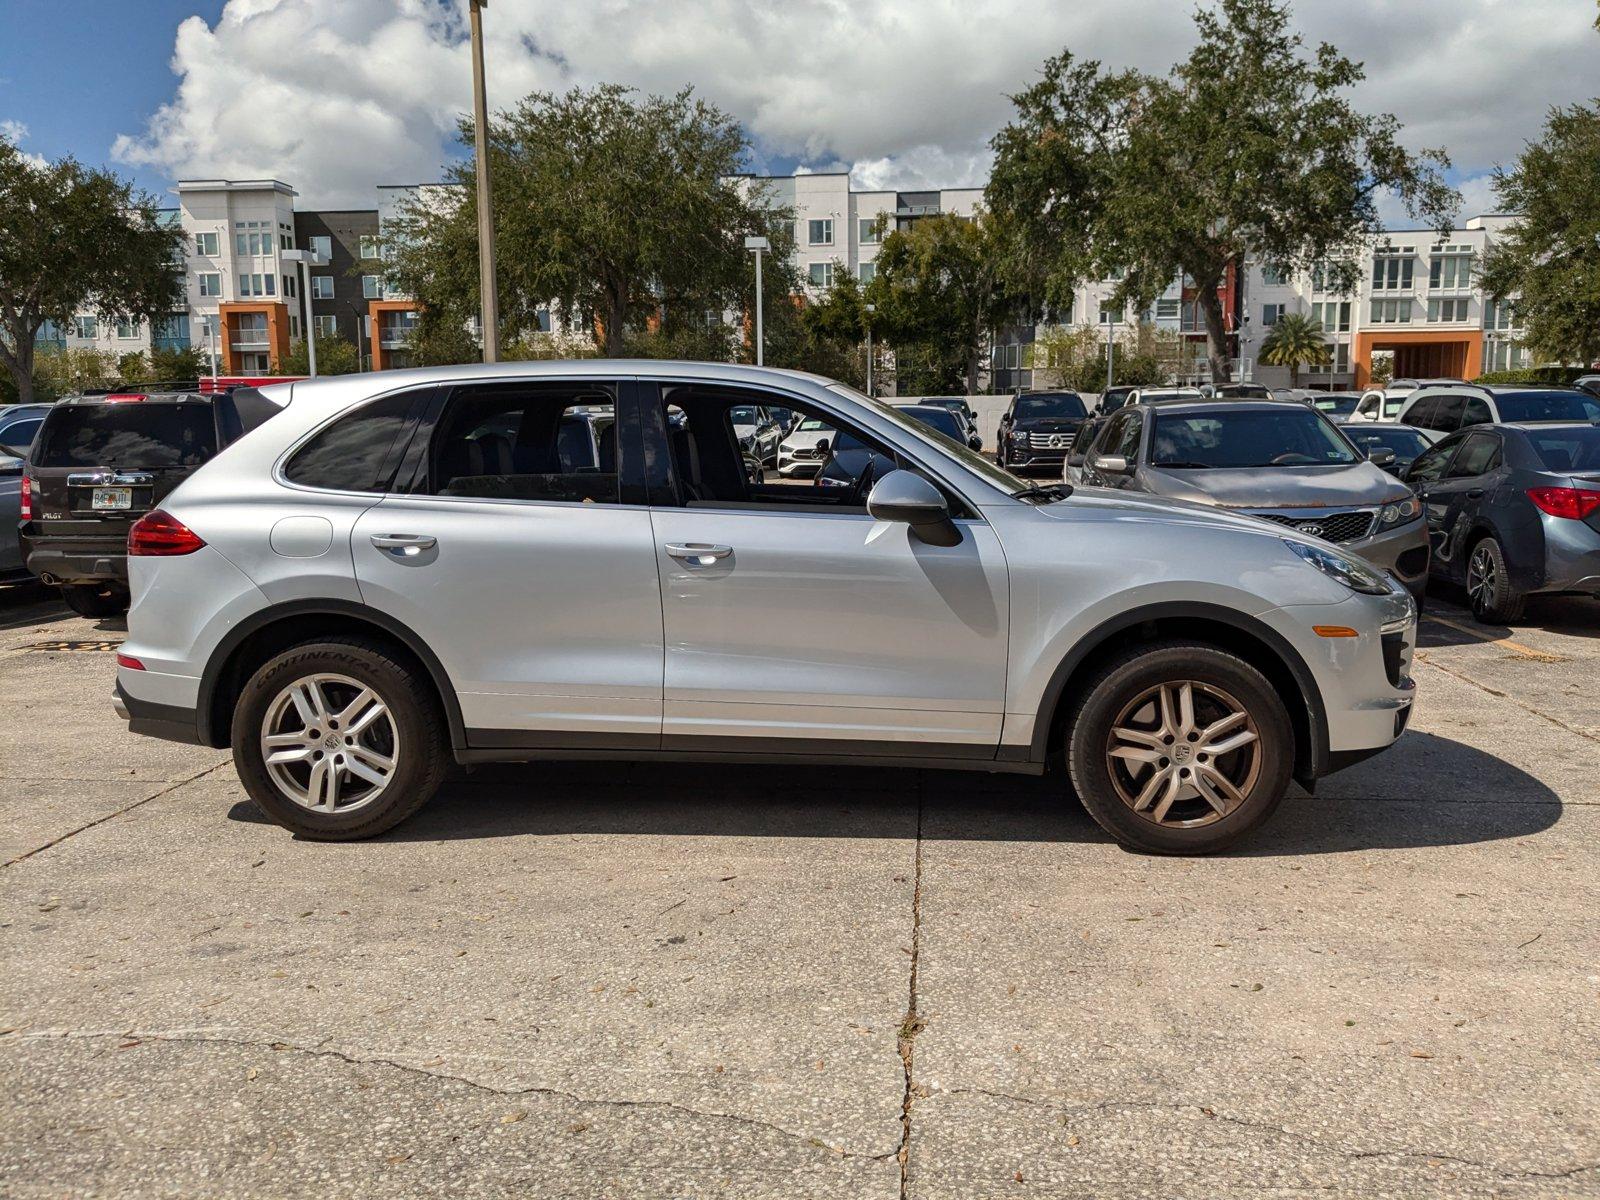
204,1036
123,811
911,1024
1499,695
1109,1106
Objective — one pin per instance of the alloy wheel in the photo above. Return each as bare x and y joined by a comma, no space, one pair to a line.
329,743
1183,754
1483,578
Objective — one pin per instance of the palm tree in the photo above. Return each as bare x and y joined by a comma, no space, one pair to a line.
1295,341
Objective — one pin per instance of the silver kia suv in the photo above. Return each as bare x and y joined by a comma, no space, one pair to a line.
405,569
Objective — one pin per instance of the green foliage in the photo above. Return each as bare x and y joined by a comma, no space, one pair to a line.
1551,257
1251,143
1075,357
1295,341
134,367
1559,376
335,356
59,373
541,347
606,203
185,364
71,240
940,291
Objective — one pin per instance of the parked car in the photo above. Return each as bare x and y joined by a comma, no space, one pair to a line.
1403,441
19,423
11,463
1438,409
1589,383
1072,468
942,420
1139,395
758,431
1377,405
802,453
1338,407
1241,391
1513,511
1037,428
963,409
1112,399
350,622
1275,459
99,463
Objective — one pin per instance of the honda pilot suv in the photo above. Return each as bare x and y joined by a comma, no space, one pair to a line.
362,591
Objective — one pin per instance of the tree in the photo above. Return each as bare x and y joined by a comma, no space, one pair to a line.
1295,341
1249,144
617,208
134,367
1075,357
177,364
61,372
940,290
1550,259
71,240
335,356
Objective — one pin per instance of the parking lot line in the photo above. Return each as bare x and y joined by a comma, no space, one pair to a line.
1514,647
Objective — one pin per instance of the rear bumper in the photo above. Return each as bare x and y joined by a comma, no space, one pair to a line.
1571,556
74,560
169,722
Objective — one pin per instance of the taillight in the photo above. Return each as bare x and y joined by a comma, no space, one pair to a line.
1573,503
159,534
129,661
26,512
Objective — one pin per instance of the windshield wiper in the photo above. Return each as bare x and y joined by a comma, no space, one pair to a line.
1196,466
1049,493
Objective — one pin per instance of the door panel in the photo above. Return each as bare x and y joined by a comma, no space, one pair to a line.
545,616
830,627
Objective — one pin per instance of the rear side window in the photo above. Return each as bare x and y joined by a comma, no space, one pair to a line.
357,452
131,435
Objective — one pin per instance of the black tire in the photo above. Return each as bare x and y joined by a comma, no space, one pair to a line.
418,724
1496,601
1121,683
96,599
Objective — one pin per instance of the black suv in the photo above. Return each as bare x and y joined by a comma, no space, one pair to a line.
1037,429
100,463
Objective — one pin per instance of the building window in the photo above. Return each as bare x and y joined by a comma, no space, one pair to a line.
322,247
869,231
294,325
289,286
372,287
1168,308
1450,271
272,284
1503,354
1332,315
210,284
1109,315
1274,276
1391,312
85,326
127,329
1270,314
820,233
822,274
369,246
322,287
868,271
1499,314
206,245
325,327
1392,272
1448,310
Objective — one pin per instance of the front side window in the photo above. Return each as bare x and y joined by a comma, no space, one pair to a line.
1430,465
539,442
1477,412
1229,438
356,453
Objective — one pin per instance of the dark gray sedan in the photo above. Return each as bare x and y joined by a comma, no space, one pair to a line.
1513,511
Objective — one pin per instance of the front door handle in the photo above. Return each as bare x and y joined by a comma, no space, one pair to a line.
404,545
1474,493
701,554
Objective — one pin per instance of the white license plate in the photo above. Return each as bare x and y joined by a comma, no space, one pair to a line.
111,499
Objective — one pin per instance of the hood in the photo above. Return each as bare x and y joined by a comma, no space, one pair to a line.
1114,502
1047,424
807,439
1355,485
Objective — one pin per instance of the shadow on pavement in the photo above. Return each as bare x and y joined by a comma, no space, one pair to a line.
29,603
711,799
1574,616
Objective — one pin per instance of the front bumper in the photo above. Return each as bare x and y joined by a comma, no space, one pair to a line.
1402,552
74,560
795,465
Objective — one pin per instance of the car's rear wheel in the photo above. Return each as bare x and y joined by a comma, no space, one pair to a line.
96,599
1494,599
339,739
1180,748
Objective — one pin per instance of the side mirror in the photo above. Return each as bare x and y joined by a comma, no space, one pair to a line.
823,445
974,442
1112,464
911,500
1380,456
1005,418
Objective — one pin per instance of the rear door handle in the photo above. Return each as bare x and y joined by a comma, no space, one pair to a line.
1474,493
404,545
702,554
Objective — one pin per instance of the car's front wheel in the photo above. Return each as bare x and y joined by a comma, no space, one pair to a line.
1180,748
339,739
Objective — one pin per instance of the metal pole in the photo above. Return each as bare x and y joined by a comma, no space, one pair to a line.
490,299
758,309
869,360
1110,348
311,320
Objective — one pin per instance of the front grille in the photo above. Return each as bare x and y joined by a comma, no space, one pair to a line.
1335,527
1050,441
812,453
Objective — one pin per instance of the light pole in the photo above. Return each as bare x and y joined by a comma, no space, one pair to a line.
1111,348
307,259
757,246
490,299
870,309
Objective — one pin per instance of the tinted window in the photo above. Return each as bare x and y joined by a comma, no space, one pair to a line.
1547,406
1054,404
1448,413
20,433
940,420
1337,405
1128,443
1477,412
1421,413
1231,437
1567,449
1431,465
135,435
1478,455
354,453
1112,433
526,442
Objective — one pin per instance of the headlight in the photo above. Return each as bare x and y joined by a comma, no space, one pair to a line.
1401,511
1019,435
1356,576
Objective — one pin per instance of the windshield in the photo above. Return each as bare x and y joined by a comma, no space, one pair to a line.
742,414
1338,405
1567,449
1405,443
1547,406
1053,404
983,467
1225,437
809,425
133,435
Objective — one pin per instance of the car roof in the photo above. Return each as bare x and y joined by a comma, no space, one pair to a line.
1542,426
1247,404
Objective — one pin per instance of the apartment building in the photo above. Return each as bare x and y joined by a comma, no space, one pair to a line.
351,277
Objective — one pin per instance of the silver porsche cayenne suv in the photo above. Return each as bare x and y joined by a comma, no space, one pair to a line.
398,571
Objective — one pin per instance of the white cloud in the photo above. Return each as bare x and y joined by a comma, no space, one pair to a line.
16,133
334,98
